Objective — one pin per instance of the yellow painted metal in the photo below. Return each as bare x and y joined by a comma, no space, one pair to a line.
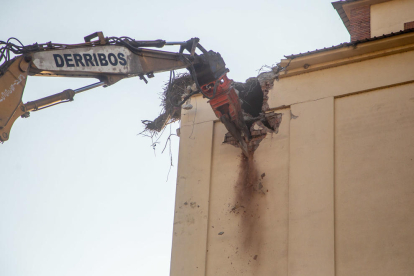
12,84
13,81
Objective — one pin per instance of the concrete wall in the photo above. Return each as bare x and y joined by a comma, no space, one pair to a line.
390,16
338,189
374,182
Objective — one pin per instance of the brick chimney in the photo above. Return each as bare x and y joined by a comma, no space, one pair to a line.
356,17
360,22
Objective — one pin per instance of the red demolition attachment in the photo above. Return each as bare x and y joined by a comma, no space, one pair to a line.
226,105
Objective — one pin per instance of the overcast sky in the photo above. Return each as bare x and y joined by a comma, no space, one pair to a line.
80,193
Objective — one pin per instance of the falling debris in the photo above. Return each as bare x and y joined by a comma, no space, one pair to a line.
172,94
250,184
221,233
259,127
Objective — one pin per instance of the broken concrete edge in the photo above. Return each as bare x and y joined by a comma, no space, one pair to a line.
267,79
266,122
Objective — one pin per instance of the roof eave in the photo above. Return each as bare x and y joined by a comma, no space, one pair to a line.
346,53
342,14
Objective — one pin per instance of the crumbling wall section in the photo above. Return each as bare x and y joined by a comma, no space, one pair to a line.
254,96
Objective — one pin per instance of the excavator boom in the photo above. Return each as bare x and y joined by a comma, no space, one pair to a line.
110,60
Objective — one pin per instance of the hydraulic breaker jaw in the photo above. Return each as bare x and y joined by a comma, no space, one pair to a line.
209,68
226,105
211,74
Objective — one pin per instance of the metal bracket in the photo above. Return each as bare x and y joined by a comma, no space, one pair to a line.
100,35
142,77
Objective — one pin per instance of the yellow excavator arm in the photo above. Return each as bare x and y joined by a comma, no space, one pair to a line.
106,59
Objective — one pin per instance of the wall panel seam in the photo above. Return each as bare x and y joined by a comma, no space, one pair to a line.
209,193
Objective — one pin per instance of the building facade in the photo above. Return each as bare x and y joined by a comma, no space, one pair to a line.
336,193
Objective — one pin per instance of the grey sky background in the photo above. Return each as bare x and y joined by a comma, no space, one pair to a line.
80,193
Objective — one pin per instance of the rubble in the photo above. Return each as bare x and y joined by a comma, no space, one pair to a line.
253,95
173,92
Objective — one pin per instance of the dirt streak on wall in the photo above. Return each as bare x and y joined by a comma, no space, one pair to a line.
248,204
